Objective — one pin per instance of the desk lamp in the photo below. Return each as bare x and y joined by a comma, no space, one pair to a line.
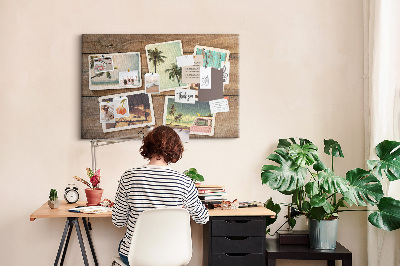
94,143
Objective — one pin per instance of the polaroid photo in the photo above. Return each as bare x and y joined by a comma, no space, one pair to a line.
161,59
141,112
103,64
121,107
212,57
197,118
110,78
107,112
128,79
152,82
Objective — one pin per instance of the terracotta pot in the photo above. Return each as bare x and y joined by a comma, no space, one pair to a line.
93,196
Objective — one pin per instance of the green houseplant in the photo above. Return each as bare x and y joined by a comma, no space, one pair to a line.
319,194
53,202
194,175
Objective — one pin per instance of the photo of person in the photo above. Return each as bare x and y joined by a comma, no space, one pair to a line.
107,112
128,79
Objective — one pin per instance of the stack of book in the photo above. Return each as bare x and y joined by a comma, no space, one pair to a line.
211,194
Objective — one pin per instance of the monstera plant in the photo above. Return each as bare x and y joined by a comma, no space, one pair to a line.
320,194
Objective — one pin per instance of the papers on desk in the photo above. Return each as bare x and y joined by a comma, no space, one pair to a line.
91,209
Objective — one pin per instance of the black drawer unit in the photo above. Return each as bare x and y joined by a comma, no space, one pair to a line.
234,241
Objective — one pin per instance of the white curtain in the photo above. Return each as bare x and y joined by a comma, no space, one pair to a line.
383,109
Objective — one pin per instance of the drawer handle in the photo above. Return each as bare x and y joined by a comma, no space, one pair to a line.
237,221
236,237
237,254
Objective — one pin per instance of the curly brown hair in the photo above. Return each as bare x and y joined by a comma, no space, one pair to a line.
163,142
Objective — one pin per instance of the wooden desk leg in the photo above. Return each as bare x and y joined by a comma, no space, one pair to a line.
67,225
271,262
90,241
331,263
78,232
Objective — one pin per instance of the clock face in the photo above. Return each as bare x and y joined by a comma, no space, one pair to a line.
71,196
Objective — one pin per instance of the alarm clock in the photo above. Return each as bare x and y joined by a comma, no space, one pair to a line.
71,194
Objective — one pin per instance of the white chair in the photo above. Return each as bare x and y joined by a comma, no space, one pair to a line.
162,237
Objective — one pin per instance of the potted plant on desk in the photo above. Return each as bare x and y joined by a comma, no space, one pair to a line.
53,202
319,194
194,175
93,193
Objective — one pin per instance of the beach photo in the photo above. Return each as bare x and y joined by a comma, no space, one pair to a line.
161,59
110,78
197,118
152,82
140,110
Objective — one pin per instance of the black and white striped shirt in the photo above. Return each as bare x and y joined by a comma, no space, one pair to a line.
151,187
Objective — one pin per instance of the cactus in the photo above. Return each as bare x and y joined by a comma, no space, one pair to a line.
53,195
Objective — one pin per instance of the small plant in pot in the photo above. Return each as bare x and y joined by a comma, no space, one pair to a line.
93,193
194,175
53,201
320,195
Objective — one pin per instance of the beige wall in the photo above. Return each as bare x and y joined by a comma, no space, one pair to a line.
300,75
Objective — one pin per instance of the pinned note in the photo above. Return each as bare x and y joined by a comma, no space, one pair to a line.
220,105
216,90
185,60
225,68
205,78
191,74
185,96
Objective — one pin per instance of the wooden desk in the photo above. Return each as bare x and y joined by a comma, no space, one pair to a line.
235,237
304,252
246,223
72,219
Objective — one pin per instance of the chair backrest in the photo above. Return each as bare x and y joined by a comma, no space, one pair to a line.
161,237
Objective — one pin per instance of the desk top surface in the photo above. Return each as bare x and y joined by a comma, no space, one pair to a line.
62,212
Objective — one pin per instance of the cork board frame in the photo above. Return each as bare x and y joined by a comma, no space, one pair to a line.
226,124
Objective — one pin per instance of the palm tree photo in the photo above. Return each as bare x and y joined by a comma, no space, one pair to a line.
175,72
156,57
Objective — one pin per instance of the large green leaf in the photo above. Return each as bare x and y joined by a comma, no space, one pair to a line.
276,208
287,176
317,213
332,146
388,216
304,155
388,153
320,201
363,188
311,189
331,183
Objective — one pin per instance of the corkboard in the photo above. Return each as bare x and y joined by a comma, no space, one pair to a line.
226,124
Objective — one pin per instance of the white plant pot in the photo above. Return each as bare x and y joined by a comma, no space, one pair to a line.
54,204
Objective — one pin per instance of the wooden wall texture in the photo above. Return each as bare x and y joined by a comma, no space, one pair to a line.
226,124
